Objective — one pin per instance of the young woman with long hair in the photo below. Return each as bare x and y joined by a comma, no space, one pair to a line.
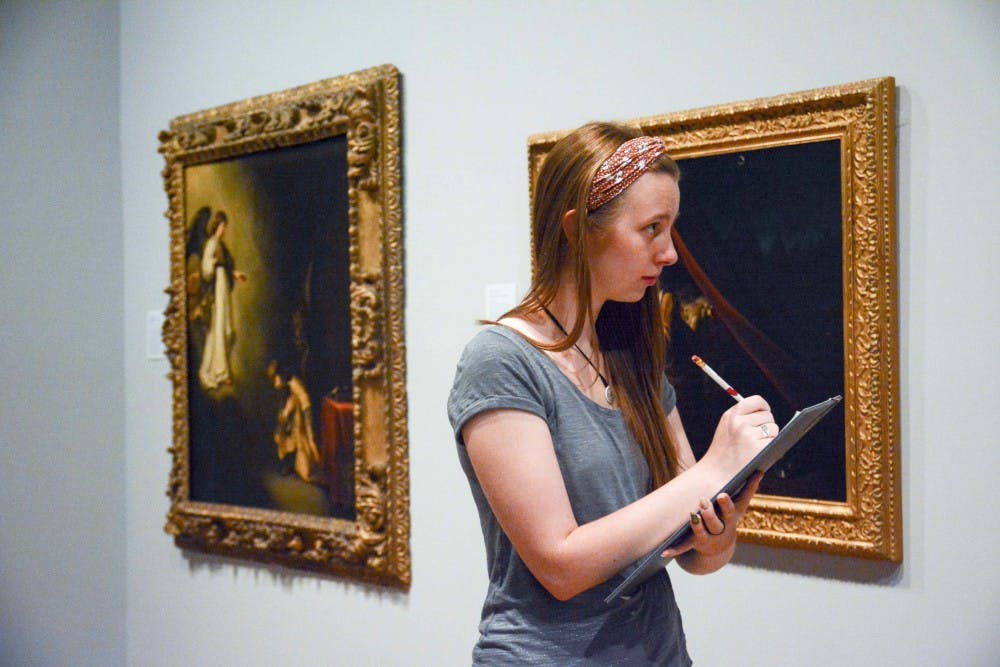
567,427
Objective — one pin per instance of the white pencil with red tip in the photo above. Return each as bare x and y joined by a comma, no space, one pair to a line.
715,376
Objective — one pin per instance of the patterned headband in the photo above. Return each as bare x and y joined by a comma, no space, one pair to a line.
622,169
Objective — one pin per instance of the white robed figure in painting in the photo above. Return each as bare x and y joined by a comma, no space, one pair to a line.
218,270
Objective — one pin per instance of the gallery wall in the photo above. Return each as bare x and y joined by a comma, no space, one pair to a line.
478,79
62,423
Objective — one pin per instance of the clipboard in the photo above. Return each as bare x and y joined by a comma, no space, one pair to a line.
793,431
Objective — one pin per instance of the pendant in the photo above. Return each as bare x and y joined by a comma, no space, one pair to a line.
609,395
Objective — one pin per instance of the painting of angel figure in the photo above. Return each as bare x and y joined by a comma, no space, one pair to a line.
218,276
269,344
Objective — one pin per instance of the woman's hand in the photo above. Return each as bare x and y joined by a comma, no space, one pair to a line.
743,430
713,534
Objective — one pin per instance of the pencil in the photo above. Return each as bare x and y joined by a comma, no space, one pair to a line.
715,376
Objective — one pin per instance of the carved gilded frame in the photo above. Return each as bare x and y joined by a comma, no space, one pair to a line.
370,542
861,116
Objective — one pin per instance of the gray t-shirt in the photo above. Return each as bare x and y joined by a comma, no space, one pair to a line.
603,470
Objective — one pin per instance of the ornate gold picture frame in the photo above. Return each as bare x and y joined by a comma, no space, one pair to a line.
787,285
284,329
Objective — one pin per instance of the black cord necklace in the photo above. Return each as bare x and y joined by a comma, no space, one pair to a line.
609,392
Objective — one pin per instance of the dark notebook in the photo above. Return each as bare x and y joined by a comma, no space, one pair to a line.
793,431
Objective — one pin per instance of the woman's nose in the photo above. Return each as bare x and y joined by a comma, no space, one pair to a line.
667,255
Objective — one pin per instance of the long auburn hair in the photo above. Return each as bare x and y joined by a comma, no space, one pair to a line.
629,335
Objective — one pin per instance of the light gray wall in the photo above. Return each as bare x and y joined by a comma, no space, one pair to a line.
478,79
62,427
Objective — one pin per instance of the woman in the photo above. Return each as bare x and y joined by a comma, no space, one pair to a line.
567,428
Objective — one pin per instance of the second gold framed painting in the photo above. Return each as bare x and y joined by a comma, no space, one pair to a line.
786,285
285,329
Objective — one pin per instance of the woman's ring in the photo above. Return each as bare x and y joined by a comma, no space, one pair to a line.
763,429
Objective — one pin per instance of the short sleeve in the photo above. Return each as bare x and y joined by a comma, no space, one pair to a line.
494,373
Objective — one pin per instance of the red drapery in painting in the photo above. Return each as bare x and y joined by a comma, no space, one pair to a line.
337,440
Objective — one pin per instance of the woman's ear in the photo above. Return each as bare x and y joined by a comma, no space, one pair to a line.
569,226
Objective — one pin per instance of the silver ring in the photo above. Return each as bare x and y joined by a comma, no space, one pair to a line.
763,429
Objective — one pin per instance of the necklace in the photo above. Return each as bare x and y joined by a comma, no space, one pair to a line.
609,392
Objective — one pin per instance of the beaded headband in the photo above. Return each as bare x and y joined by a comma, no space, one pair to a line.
622,169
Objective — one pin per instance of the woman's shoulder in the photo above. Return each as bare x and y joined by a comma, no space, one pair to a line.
498,369
496,340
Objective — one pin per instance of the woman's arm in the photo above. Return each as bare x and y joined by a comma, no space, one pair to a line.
515,463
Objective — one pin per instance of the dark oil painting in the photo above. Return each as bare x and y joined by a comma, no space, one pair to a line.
758,294
269,346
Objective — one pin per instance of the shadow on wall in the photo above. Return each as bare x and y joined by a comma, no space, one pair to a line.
821,565
288,578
